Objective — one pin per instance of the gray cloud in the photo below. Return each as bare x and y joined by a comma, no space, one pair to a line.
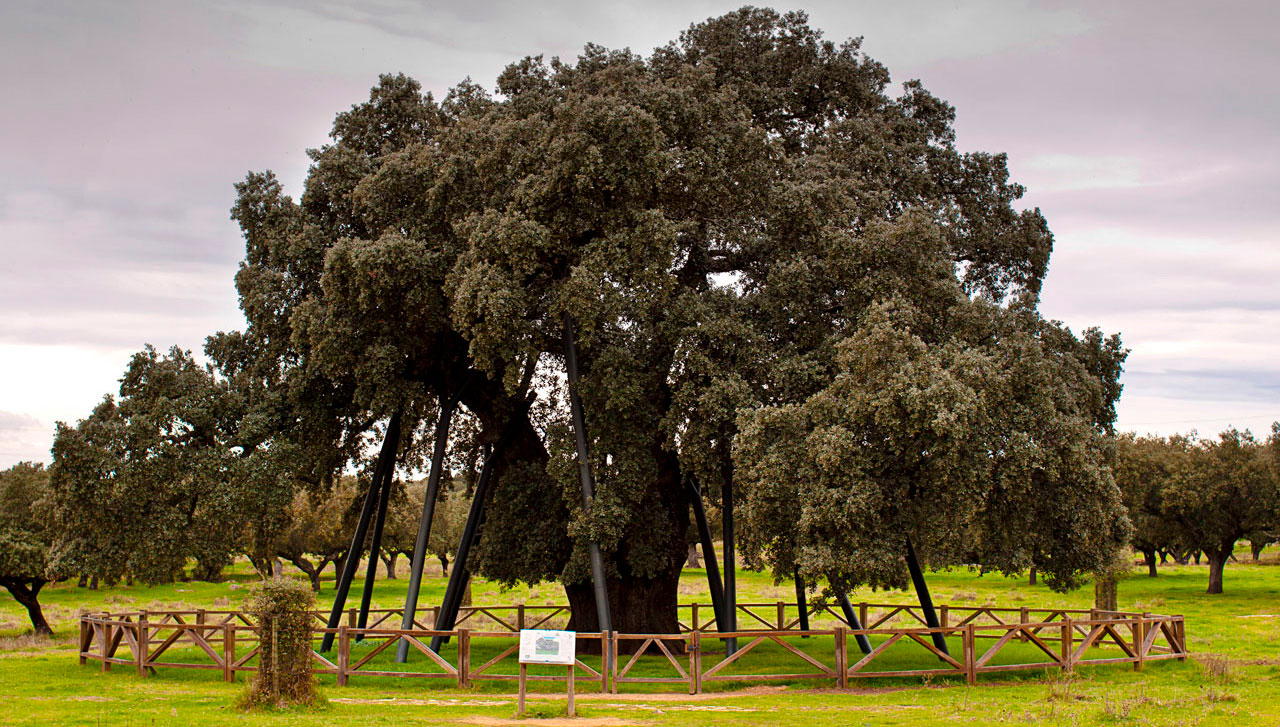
1149,133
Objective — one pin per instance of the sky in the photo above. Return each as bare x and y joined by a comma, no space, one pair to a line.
1147,132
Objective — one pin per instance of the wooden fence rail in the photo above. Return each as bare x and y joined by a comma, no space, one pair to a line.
227,641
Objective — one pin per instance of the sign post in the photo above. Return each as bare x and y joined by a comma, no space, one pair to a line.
538,646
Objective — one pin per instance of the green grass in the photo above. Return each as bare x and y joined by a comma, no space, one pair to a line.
41,682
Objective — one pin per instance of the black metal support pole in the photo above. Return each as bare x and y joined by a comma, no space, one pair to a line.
375,543
584,471
424,526
458,578
730,570
926,602
802,603
863,642
708,554
385,459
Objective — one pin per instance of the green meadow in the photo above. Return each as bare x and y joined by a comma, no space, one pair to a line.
1232,678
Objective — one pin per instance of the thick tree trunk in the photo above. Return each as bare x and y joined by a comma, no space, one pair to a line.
1031,580
444,564
93,583
1105,592
27,593
207,572
84,581
312,571
1217,563
389,560
1196,555
1149,557
640,605
1164,557
637,605
1256,550
691,559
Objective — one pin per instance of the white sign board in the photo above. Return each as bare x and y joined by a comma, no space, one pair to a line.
547,647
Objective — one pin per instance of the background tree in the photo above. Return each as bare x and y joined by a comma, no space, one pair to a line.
25,538
959,424
1228,489
147,482
318,532
705,216
1144,468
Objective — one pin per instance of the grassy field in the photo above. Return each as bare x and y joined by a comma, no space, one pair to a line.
1233,679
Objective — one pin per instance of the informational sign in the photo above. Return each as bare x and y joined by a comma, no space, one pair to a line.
538,646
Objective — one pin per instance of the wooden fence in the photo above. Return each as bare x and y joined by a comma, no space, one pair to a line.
774,648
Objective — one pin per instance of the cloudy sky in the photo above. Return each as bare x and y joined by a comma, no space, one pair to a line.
1148,132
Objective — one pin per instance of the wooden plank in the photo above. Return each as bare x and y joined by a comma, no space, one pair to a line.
485,667
374,652
928,645
802,655
996,647
878,650
736,656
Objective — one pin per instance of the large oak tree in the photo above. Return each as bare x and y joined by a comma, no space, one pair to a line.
723,221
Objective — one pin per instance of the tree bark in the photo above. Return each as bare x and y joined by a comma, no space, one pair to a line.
389,559
28,596
1149,557
1105,592
1031,580
1256,550
444,564
312,571
637,604
691,560
1217,563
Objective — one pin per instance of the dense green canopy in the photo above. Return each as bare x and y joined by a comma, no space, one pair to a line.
738,221
26,534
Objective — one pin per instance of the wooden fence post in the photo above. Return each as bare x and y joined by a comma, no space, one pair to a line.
572,711
862,616
1068,631
143,643
520,617
842,658
613,663
1180,630
229,652
1025,618
464,658
1139,639
105,647
944,614
782,615
693,618
344,654
970,656
85,636
695,662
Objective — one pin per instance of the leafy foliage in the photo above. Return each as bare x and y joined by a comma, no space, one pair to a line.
281,609
749,230
1224,490
25,537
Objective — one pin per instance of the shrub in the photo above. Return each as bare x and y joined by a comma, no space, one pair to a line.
281,609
